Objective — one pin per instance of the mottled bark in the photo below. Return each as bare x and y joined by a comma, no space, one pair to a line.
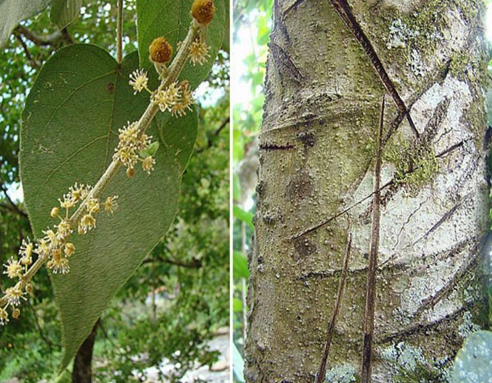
318,145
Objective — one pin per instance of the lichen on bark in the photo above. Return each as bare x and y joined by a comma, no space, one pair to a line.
317,147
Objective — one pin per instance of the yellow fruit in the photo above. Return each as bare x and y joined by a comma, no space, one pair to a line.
203,11
160,51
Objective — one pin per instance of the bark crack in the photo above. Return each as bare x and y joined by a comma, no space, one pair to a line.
420,328
448,288
443,219
407,222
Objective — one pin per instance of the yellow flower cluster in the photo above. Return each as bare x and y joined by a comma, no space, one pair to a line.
131,144
177,98
54,246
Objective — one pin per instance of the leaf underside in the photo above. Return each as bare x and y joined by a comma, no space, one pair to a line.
13,11
64,12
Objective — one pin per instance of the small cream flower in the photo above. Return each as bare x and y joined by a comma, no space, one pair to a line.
42,248
79,192
26,248
148,164
93,205
63,230
4,317
13,295
110,205
185,101
165,99
127,156
59,265
69,249
198,52
68,201
51,238
128,145
87,223
138,80
13,268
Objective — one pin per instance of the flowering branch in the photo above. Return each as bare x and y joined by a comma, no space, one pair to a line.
134,146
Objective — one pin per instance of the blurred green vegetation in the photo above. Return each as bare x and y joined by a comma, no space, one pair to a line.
252,23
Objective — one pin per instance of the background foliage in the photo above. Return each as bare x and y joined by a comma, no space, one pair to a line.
252,23
178,298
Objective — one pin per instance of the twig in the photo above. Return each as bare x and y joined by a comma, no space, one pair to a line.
12,204
194,264
222,126
216,132
119,32
51,40
320,377
67,38
34,64
373,260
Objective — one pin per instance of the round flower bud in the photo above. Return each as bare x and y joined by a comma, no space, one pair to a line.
130,172
15,313
55,212
203,11
160,51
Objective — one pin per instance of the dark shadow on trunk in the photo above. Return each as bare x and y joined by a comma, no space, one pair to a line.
82,366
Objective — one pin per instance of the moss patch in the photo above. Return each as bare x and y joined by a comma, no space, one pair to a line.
416,163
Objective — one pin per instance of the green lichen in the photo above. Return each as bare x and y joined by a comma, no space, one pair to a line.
416,163
410,366
344,373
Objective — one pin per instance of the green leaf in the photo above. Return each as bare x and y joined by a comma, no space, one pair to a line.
243,215
13,11
473,363
64,12
227,32
237,305
171,19
70,128
240,265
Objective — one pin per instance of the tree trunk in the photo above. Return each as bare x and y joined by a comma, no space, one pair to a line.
82,365
318,146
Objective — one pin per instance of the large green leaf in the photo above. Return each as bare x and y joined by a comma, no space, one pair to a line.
473,363
172,19
63,12
70,128
13,11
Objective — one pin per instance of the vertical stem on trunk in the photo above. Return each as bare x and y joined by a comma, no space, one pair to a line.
373,260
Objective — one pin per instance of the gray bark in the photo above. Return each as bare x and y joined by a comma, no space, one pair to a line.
317,150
